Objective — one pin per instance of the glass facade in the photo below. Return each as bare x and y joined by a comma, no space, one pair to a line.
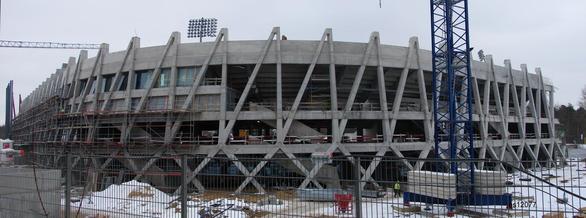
134,103
143,78
82,84
106,83
93,85
124,81
164,78
206,103
156,103
185,76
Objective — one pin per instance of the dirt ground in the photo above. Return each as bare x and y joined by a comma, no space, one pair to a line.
248,198
81,214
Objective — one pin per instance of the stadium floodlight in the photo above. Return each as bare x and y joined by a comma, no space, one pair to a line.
202,27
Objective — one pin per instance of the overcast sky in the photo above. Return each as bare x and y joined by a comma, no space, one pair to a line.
540,33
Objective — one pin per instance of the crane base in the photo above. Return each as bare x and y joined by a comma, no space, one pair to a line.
461,199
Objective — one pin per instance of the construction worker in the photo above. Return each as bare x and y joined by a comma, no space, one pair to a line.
397,189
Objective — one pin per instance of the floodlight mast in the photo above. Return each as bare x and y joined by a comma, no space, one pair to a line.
202,27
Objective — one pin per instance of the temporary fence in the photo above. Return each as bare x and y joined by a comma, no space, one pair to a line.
318,186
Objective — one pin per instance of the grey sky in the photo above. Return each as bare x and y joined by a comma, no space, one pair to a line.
540,33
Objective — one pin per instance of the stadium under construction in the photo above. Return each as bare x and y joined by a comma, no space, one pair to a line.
275,98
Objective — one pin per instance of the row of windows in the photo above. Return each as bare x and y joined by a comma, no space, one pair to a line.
185,77
201,103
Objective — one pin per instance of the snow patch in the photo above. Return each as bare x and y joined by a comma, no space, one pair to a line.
137,199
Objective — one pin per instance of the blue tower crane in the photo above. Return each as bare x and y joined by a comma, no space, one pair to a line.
452,105
452,90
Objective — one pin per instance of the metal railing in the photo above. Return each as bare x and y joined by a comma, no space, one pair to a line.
165,185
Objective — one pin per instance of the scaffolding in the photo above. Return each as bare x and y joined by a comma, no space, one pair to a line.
272,106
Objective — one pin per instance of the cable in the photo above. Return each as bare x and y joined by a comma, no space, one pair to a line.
37,187
83,192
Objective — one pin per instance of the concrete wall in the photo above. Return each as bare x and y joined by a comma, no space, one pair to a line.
246,52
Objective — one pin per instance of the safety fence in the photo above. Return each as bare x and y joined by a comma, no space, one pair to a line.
317,186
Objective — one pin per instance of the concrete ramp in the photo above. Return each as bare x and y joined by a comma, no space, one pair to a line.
297,128
137,133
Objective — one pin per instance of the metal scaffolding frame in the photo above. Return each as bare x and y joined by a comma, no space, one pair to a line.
55,45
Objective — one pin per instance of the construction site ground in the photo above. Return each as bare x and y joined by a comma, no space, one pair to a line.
135,199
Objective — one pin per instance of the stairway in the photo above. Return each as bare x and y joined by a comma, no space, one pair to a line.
297,128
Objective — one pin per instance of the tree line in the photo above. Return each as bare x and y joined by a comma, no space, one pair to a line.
572,128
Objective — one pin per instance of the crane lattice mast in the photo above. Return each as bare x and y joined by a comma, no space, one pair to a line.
452,90
55,45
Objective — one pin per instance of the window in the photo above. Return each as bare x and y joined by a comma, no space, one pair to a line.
163,80
185,76
68,88
143,78
118,105
93,85
106,83
134,103
82,84
180,100
206,103
156,103
124,81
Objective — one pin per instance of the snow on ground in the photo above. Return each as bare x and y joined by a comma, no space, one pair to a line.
571,178
371,207
136,199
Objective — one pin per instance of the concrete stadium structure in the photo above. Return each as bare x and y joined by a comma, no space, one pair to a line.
276,97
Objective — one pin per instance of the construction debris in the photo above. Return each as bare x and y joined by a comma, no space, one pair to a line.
554,215
411,209
583,212
141,192
270,200
522,198
510,213
471,213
